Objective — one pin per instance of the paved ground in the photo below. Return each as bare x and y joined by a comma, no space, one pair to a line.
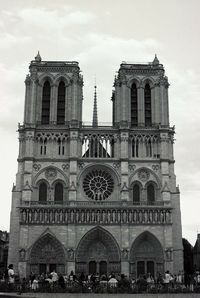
91,295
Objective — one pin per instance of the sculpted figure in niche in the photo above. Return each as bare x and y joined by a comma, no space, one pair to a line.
70,254
22,254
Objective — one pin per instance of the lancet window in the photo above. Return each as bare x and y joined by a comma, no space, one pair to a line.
134,105
98,146
136,194
43,192
58,193
150,193
61,103
43,146
147,104
46,103
144,146
61,147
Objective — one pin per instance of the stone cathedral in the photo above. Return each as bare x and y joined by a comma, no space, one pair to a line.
95,198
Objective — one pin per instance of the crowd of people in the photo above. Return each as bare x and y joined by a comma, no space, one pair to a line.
54,282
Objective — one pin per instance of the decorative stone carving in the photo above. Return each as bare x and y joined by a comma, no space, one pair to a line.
72,186
125,254
36,167
65,166
116,165
70,254
124,187
22,254
28,80
98,185
155,167
51,173
168,254
132,167
143,175
49,215
81,165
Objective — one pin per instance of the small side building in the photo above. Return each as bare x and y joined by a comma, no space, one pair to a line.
4,241
196,254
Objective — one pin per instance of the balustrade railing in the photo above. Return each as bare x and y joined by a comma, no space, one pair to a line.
92,203
81,215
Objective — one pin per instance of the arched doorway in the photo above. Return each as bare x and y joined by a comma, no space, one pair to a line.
146,256
47,254
98,252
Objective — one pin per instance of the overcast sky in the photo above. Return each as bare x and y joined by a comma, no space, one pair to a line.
100,35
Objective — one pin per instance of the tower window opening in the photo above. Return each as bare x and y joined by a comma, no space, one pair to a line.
61,104
136,193
150,194
43,147
134,105
135,148
149,148
61,147
43,192
58,193
147,103
46,103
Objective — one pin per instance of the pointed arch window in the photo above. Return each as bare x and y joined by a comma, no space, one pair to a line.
43,192
58,194
46,102
150,194
61,104
136,194
134,105
147,103
135,148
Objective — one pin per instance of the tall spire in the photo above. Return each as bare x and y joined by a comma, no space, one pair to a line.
95,117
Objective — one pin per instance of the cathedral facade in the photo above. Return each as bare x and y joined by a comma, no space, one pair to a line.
93,198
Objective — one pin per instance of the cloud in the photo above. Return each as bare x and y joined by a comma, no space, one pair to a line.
47,19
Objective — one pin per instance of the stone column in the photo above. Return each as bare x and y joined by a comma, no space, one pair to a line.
125,250
27,99
124,166
153,106
73,164
117,106
74,97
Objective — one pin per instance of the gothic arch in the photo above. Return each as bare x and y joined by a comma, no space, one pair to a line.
106,249
65,78
46,77
135,80
148,80
133,177
147,251
133,184
47,252
41,174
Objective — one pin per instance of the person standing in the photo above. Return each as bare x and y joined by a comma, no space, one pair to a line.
11,277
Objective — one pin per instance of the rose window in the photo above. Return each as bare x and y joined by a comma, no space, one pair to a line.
98,185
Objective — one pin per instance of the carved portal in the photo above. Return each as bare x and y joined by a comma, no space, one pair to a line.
47,253
146,255
98,252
